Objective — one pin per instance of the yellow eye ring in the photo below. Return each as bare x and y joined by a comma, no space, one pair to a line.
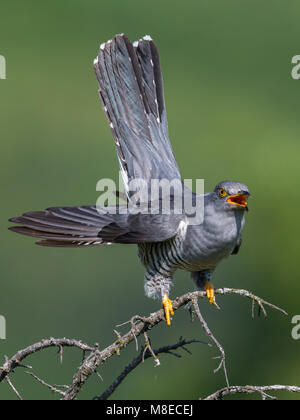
222,192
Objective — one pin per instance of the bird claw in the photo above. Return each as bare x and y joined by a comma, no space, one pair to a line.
210,293
168,308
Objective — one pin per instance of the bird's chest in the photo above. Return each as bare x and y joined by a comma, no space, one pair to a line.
206,245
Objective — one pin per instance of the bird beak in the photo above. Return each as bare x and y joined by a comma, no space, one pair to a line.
239,200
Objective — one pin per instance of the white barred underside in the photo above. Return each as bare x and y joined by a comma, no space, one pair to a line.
161,260
156,286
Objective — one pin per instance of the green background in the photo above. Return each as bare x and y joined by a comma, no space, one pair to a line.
233,112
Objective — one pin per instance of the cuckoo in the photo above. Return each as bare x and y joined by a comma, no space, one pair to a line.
132,97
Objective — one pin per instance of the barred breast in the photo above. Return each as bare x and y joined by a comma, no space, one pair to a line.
194,248
164,258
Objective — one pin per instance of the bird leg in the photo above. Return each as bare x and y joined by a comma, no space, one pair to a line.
210,293
168,308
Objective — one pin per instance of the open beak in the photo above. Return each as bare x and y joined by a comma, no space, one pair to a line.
240,200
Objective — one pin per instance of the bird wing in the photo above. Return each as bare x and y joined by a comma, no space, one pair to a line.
83,226
131,93
237,247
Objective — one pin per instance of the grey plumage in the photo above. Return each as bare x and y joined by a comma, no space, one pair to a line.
84,226
196,248
131,93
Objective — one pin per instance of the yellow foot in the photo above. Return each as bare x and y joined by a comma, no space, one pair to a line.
210,293
167,305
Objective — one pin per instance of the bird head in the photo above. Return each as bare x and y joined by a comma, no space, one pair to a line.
232,195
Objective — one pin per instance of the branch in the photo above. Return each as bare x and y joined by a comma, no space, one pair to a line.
249,389
15,361
139,325
145,353
143,324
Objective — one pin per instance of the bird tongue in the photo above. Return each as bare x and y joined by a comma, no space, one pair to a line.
238,199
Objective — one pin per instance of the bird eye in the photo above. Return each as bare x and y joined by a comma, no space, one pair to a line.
222,192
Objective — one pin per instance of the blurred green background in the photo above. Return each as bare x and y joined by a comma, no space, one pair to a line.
233,112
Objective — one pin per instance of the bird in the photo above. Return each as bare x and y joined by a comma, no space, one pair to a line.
132,97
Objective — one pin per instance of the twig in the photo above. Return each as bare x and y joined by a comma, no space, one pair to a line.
13,388
245,293
145,354
249,389
213,338
149,348
61,353
15,361
52,388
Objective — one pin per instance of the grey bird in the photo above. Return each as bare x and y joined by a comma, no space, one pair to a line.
131,93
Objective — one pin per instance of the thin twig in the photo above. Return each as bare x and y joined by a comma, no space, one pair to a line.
213,338
245,293
149,348
13,388
52,388
61,353
144,354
